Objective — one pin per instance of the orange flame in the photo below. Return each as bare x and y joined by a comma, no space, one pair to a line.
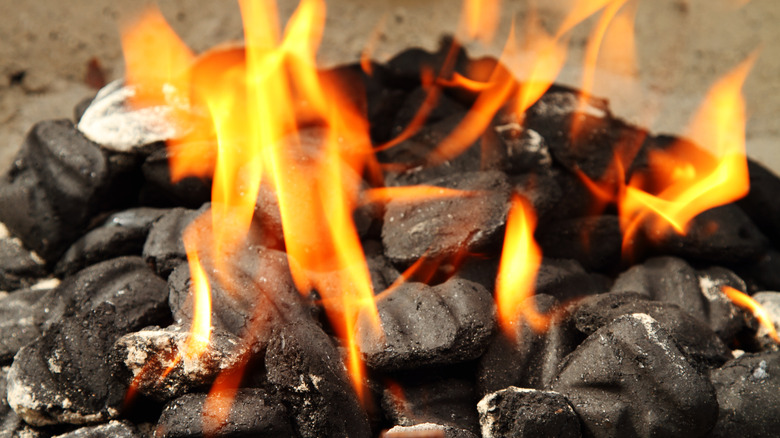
480,19
520,260
697,181
746,302
200,331
413,193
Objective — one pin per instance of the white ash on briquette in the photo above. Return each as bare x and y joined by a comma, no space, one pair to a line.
647,348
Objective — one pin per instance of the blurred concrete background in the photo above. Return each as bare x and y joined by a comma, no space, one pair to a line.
46,47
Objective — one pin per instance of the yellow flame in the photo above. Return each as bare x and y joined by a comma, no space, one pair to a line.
480,19
748,303
520,260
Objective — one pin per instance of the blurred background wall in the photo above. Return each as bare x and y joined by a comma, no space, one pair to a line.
50,51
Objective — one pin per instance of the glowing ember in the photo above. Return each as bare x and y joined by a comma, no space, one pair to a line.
746,302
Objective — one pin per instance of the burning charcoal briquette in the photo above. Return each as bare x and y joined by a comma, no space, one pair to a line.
438,396
164,247
529,359
630,379
673,280
424,325
720,235
594,241
524,150
19,267
566,279
307,372
693,336
445,227
113,429
160,368
122,233
66,376
253,413
770,302
160,190
126,282
748,396
19,328
761,204
521,412
427,430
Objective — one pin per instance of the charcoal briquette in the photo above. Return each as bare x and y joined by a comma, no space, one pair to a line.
122,233
629,379
526,357
748,396
427,430
19,327
160,190
19,267
164,247
566,279
445,227
523,412
251,413
425,325
760,203
693,337
594,241
113,429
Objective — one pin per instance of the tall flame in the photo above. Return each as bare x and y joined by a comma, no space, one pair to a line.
520,260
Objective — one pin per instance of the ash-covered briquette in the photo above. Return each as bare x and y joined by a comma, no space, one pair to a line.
630,379
113,429
425,325
19,327
523,412
748,396
673,280
770,302
427,430
252,413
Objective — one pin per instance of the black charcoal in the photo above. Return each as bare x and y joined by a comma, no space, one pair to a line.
761,274
693,337
445,227
566,279
253,413
748,396
307,372
122,233
439,396
526,357
160,190
164,247
525,150
161,367
594,241
720,235
19,326
67,376
423,325
19,267
113,429
442,108
630,379
522,412
760,204
673,280
541,190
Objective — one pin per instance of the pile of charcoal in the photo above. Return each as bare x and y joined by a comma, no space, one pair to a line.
98,304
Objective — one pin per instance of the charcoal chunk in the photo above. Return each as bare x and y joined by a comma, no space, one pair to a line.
427,430
160,190
760,203
630,379
525,150
566,279
67,376
720,235
160,368
761,274
438,396
126,282
528,358
673,280
71,175
594,241
122,233
164,247
19,327
305,369
113,429
521,412
19,268
424,325
445,227
748,397
693,337
252,413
